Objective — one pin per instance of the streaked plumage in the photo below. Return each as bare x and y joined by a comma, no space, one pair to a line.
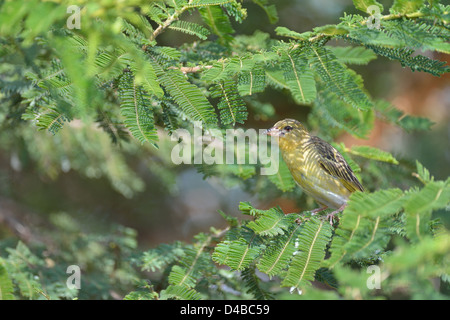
317,167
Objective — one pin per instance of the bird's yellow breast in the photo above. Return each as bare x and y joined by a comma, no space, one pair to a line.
303,162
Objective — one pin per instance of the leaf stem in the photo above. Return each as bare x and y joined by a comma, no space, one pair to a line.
167,23
413,15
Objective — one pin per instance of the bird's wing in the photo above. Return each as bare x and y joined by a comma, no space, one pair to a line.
334,164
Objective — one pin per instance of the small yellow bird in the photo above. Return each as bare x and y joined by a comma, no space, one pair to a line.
317,167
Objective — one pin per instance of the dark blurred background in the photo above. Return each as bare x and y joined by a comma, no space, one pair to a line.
189,205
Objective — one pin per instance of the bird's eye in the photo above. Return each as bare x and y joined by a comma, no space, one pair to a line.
287,128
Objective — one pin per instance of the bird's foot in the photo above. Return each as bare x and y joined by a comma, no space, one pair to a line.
331,215
313,212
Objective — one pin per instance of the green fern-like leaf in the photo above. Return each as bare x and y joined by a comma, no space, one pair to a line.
419,259
285,32
331,112
54,78
180,293
414,62
204,3
312,241
157,12
187,95
331,30
280,251
252,282
181,276
111,64
390,113
363,227
361,34
160,257
225,69
275,78
423,173
342,81
435,195
190,28
251,82
138,31
218,23
353,55
238,253
232,107
53,120
271,222
145,76
235,254
419,35
247,208
135,107
195,260
373,153
218,72
270,9
410,123
363,5
298,77
367,243
234,9
112,126
167,54
6,285
19,260
406,6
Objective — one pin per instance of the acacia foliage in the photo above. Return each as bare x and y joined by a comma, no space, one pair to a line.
114,74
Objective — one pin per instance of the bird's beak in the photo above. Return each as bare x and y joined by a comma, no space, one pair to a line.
275,132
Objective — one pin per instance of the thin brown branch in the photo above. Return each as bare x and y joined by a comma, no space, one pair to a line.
195,69
166,24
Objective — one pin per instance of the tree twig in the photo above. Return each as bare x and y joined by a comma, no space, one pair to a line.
166,24
194,69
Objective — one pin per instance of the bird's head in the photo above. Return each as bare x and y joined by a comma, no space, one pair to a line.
290,132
